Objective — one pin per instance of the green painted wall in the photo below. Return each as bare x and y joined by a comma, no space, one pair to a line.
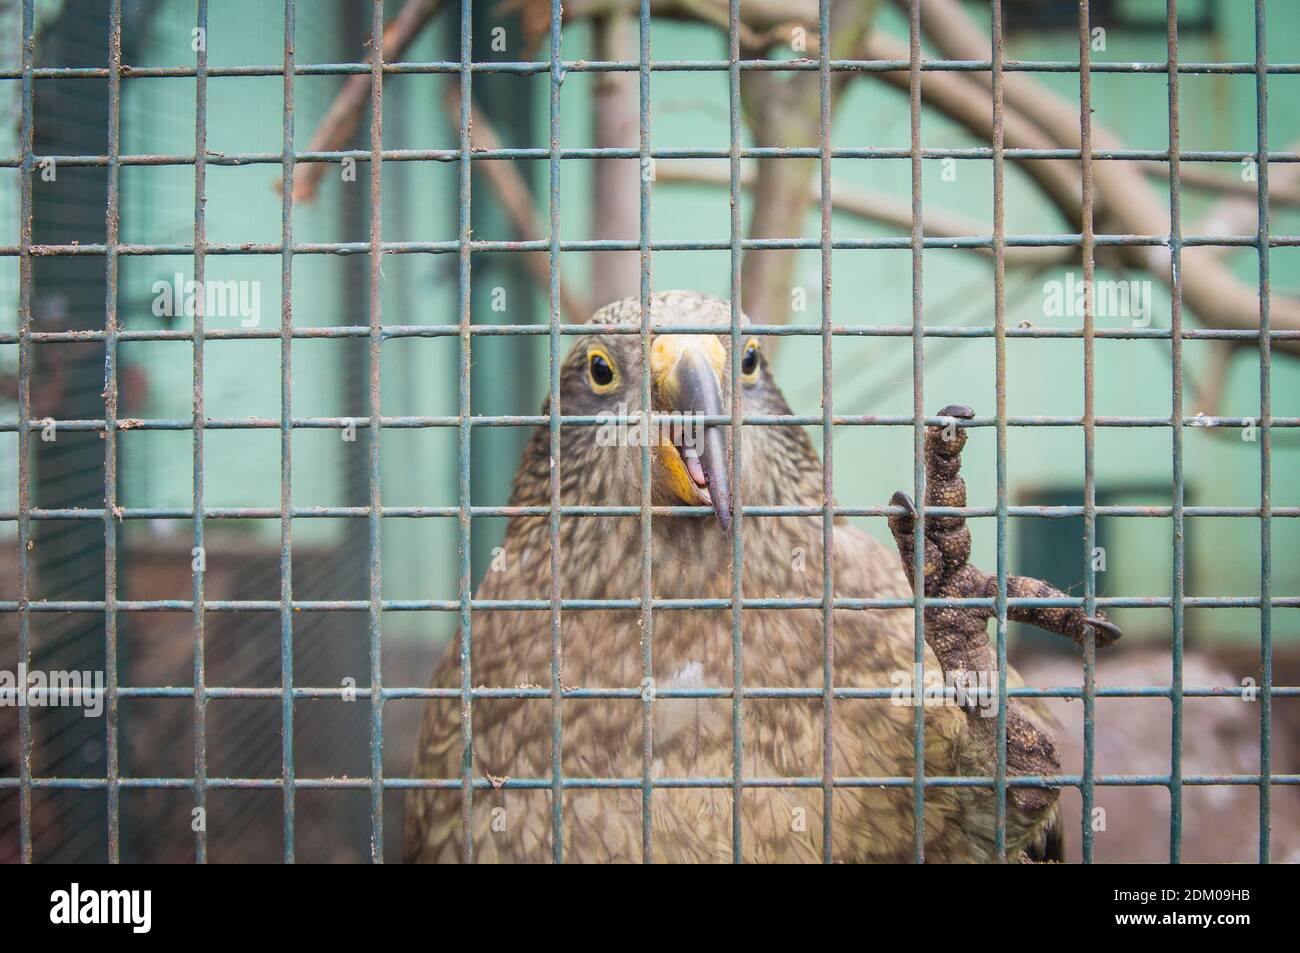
873,376
871,287
242,377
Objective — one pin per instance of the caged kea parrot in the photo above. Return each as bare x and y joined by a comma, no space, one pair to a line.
600,558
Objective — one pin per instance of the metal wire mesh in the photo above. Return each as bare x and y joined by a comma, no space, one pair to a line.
110,425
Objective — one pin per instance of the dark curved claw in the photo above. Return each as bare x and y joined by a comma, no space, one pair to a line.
902,499
960,411
1105,631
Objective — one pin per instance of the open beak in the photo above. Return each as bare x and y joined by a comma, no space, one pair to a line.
687,371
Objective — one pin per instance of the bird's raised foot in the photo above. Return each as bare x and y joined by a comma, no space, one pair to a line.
946,563
958,635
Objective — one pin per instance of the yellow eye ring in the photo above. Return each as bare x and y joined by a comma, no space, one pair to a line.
601,371
750,361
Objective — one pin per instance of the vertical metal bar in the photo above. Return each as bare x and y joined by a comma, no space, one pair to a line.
828,443
918,433
111,224
1265,446
463,448
553,331
199,564
1000,409
737,499
24,432
286,439
647,540
1176,422
376,564
1089,423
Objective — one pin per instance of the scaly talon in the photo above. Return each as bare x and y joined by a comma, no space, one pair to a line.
959,636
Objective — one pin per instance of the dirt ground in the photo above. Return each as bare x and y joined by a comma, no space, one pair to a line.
1220,736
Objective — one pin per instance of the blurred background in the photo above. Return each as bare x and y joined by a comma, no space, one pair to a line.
599,199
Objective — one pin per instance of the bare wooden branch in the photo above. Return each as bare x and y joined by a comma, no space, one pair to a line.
511,190
350,104
1035,117
785,111
616,186
756,15
961,100
1282,189
1239,214
1126,202
870,206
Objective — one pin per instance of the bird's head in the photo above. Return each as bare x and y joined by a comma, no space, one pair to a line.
690,378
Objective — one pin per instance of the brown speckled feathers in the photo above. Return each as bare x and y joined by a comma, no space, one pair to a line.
692,738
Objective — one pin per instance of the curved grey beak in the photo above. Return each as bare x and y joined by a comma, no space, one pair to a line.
695,389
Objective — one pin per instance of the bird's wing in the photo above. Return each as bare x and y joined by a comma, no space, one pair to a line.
875,648
429,819
510,649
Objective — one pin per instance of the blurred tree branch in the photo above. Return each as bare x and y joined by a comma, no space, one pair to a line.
869,206
616,185
1283,189
350,104
783,111
1238,213
1125,200
511,190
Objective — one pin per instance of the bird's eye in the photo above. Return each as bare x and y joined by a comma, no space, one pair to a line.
749,360
600,368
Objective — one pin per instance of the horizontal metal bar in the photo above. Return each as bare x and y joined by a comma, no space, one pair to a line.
637,694
452,246
537,67
534,605
576,420
396,331
571,783
441,512
524,153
